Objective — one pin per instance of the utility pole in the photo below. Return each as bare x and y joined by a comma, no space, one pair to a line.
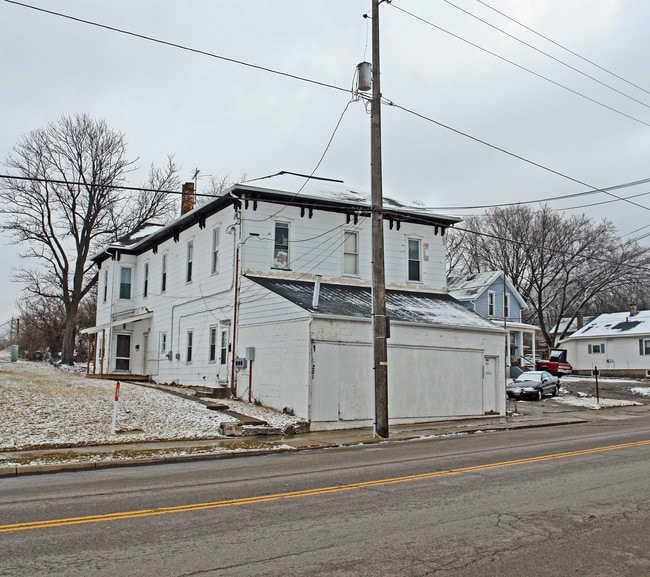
380,347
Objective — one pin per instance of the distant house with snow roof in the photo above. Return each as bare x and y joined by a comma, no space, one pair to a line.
617,343
265,291
492,295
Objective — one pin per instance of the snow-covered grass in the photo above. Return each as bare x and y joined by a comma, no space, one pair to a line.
43,406
589,402
643,391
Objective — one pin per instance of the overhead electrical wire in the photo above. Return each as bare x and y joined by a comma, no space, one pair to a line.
553,198
537,74
564,47
554,251
296,77
512,154
179,46
532,47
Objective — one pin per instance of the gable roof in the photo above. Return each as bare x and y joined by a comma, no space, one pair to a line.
470,287
285,188
356,301
615,325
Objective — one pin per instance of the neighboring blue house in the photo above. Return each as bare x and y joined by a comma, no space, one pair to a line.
494,297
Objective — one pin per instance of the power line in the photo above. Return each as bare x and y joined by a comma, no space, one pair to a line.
254,66
546,54
554,251
179,46
512,154
553,198
546,78
564,47
85,184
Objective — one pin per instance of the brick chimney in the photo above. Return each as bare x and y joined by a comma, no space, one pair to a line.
633,309
188,198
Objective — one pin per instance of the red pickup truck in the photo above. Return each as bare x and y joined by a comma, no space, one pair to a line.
556,364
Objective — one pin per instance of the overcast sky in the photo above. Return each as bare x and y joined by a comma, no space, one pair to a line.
225,118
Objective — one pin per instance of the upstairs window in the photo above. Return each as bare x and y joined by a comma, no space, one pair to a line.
281,245
125,283
105,285
145,289
189,261
163,274
351,253
492,297
506,305
414,264
214,265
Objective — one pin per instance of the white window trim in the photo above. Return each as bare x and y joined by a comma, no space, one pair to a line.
409,259
213,332
275,263
163,272
145,281
355,254
189,261
163,343
189,346
130,284
491,303
214,255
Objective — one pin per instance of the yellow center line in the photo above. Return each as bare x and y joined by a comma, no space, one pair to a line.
119,516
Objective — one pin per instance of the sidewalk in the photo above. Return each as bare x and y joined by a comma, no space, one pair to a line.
14,463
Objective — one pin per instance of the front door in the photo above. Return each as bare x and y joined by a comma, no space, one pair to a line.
123,353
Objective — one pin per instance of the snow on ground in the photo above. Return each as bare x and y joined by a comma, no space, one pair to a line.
643,391
589,402
43,406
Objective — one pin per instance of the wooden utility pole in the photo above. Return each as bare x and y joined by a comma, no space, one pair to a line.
380,347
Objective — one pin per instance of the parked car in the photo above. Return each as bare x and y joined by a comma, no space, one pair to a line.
533,385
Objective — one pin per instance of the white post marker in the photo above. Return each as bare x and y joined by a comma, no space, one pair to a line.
115,405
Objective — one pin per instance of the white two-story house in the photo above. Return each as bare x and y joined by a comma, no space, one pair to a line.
266,290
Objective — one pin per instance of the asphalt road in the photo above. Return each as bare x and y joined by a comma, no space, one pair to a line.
563,501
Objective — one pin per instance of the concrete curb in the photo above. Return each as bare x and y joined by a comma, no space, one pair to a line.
299,443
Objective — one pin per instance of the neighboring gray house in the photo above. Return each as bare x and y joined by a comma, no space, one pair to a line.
617,343
266,291
493,296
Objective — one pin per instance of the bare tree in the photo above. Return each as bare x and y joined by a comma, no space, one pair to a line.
561,266
65,201
42,324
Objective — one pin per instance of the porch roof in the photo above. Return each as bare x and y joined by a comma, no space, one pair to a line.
122,321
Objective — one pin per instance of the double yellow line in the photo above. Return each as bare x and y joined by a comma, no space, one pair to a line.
120,516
